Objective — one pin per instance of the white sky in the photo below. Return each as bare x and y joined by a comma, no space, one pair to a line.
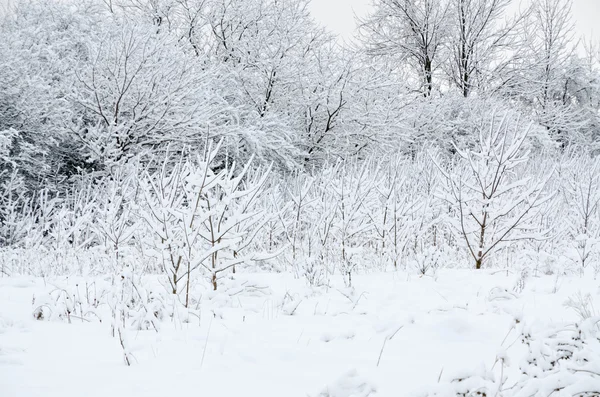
338,15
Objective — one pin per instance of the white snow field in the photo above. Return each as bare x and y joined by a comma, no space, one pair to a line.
462,332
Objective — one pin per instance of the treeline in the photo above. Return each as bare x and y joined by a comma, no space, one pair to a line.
86,86
479,115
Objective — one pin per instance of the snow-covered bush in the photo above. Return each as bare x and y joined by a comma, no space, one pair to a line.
351,192
582,198
563,361
80,301
202,220
351,384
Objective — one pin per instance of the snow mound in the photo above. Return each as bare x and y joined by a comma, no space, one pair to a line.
349,385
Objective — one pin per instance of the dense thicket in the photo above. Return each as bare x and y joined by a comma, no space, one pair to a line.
201,135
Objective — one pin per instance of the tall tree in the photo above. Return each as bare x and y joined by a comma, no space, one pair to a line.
550,69
413,30
477,39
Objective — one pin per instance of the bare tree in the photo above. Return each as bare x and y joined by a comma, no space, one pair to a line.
582,197
202,219
494,204
138,91
548,72
413,30
352,191
477,38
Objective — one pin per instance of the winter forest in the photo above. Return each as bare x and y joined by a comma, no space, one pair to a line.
222,197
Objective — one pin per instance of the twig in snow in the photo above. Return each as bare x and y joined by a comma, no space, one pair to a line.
206,342
385,341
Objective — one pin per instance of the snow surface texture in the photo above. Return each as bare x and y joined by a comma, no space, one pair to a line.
394,334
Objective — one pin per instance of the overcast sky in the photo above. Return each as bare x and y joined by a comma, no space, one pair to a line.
338,15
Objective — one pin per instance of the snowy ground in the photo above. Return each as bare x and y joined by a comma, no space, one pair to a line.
281,338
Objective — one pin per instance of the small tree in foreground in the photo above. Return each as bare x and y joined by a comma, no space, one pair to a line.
495,204
582,196
202,219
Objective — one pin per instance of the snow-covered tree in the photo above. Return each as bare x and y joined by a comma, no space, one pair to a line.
201,219
414,32
478,37
494,202
582,198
